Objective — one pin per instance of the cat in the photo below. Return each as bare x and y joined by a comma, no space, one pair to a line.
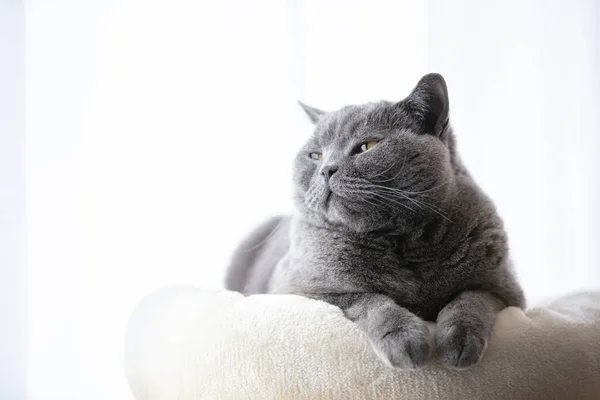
390,227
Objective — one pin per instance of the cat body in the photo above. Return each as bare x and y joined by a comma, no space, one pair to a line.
390,227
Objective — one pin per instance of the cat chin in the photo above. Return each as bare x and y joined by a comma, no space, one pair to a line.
334,215
340,213
358,221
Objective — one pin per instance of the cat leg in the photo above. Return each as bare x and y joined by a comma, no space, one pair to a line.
464,326
398,337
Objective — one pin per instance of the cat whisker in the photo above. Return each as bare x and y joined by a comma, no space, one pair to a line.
427,190
434,209
393,200
396,175
418,203
373,198
383,172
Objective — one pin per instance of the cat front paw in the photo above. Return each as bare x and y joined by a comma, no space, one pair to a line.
407,347
459,346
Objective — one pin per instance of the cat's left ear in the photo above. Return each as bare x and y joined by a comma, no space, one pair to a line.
313,113
428,103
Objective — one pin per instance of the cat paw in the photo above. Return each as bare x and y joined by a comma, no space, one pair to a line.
405,348
459,346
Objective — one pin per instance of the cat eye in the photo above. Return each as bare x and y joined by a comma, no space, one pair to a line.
366,146
316,155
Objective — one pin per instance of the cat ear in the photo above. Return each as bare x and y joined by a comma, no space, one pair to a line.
313,113
428,102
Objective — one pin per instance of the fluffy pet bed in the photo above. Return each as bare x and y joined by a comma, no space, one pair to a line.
185,343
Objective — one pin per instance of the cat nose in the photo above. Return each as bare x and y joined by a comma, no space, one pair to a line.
327,171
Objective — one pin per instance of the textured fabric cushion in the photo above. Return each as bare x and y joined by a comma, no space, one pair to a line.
185,343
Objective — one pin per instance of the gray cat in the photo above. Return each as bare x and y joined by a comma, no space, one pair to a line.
390,227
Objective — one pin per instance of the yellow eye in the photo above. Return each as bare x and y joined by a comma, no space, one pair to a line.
367,146
316,156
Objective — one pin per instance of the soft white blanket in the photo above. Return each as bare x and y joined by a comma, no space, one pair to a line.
184,343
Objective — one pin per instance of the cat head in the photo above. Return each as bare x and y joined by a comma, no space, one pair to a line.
369,166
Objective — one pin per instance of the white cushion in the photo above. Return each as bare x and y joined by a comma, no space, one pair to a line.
185,343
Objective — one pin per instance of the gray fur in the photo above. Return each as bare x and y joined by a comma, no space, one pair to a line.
398,235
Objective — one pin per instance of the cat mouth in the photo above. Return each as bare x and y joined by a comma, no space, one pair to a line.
328,197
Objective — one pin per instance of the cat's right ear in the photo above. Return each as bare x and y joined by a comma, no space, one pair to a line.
313,113
428,102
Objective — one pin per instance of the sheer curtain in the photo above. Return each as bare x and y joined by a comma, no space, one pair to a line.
159,133
13,276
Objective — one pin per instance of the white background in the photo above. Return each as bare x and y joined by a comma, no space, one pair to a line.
158,133
13,274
